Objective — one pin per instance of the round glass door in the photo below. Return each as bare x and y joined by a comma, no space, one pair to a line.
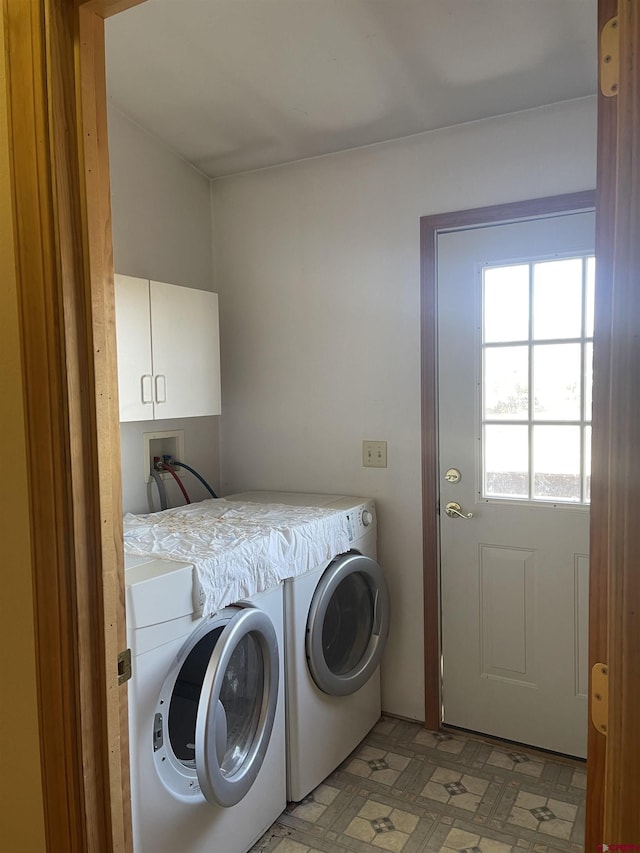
216,710
237,717
348,624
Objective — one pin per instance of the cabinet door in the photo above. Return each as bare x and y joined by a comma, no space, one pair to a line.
186,351
135,381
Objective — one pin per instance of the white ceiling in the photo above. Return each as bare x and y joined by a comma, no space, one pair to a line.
234,85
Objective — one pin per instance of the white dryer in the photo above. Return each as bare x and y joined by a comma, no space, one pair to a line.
336,625
206,714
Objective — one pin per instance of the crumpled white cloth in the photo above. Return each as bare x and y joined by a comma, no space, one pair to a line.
239,548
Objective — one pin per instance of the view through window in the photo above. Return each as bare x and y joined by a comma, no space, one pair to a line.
537,352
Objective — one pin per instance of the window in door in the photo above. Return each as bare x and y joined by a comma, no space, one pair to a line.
537,351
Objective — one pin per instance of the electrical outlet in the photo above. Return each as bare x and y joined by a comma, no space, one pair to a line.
374,454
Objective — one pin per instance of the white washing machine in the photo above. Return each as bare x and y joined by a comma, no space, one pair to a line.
206,714
336,625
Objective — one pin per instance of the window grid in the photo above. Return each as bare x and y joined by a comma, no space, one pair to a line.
583,422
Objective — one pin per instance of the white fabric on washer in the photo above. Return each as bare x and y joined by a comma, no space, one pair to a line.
239,548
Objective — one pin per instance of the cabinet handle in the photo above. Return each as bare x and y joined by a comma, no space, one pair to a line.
161,388
146,388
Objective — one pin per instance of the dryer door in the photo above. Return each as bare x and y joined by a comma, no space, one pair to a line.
348,624
221,698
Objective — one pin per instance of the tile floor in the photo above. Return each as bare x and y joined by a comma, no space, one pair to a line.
407,790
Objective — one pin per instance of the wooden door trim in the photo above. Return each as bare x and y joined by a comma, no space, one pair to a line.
56,104
430,228
600,471
98,252
621,184
46,416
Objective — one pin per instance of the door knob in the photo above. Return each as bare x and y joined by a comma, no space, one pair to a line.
454,510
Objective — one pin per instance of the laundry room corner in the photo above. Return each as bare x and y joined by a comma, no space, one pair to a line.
161,232
317,264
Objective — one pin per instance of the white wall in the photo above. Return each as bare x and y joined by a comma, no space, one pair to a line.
317,266
162,231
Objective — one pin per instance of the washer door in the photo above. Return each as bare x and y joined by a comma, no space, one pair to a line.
348,624
220,702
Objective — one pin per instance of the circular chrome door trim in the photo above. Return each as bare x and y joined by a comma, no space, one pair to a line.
187,781
218,788
327,680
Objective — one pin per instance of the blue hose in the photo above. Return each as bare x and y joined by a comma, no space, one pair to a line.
195,474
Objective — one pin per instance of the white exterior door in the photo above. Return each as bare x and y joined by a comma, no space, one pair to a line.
515,306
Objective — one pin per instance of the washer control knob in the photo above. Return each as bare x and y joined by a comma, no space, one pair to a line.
367,517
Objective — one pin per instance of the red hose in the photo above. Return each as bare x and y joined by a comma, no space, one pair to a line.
166,467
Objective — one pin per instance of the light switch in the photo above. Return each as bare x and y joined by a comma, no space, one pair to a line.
374,454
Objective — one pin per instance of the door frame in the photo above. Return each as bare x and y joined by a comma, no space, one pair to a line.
483,228
57,129
619,179
430,228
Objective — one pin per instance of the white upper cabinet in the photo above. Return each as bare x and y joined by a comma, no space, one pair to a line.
168,350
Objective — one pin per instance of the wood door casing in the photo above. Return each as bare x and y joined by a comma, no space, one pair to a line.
56,102
620,182
598,581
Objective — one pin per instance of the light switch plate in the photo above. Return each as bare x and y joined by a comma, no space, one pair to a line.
374,454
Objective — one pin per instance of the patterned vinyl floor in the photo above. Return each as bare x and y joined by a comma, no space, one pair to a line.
408,790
